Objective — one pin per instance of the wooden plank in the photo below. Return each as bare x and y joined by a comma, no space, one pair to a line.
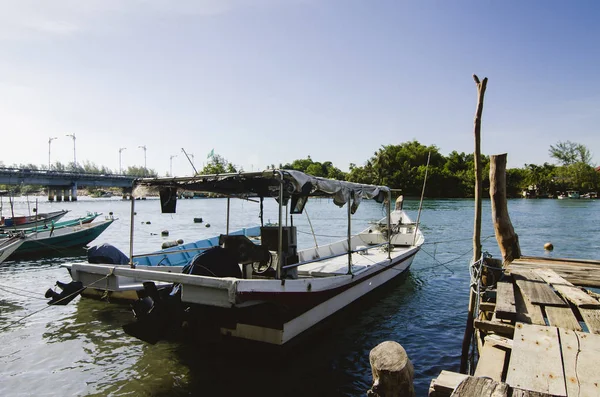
536,362
551,277
539,293
574,261
578,274
487,306
491,362
562,317
498,340
527,393
480,387
527,312
445,383
580,357
591,317
577,297
505,301
495,326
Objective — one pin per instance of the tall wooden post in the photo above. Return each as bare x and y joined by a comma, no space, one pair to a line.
503,228
481,86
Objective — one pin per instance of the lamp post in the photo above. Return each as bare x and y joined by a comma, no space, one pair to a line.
171,164
144,147
49,145
74,156
120,150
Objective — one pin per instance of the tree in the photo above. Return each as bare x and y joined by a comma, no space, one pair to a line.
568,153
218,165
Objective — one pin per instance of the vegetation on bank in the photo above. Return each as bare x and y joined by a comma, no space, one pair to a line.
403,167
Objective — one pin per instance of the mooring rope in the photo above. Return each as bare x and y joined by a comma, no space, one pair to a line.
54,304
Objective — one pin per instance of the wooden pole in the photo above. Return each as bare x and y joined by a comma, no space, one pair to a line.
503,228
393,372
481,86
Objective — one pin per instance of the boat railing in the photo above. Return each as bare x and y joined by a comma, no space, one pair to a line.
173,251
323,258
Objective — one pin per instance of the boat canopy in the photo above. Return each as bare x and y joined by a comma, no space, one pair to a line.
296,184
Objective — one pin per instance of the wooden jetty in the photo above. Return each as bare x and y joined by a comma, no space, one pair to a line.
537,333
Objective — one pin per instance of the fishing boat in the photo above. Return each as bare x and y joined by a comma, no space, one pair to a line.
26,222
269,292
54,241
88,218
9,244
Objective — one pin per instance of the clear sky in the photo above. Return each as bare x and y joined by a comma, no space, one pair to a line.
269,81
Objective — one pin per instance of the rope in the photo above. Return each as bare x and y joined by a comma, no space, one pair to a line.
2,288
60,300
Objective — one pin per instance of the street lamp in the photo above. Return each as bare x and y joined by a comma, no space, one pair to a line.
120,150
74,156
144,147
49,144
171,163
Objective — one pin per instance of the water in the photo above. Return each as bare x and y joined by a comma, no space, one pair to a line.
80,349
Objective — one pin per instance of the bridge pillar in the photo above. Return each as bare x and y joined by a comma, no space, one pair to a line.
66,194
127,193
59,196
50,194
74,192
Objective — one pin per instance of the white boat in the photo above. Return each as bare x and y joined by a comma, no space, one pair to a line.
269,292
9,245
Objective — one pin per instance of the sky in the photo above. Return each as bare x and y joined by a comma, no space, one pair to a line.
269,81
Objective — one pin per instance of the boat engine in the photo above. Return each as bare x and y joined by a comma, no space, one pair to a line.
68,293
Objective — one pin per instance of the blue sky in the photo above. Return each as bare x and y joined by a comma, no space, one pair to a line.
269,81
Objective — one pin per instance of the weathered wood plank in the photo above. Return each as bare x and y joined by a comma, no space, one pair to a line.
445,383
487,306
539,293
491,362
527,393
535,362
498,340
551,277
580,274
505,301
495,326
577,296
580,357
591,317
562,317
527,312
480,387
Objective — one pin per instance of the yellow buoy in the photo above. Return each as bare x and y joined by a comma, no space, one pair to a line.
548,246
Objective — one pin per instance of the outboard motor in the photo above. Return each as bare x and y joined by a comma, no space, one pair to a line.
107,254
68,293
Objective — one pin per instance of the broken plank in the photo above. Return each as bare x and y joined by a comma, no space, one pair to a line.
527,312
480,387
445,383
577,296
580,357
562,317
536,363
495,326
498,340
539,293
551,277
591,317
505,301
491,362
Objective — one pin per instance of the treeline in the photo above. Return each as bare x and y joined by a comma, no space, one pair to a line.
403,166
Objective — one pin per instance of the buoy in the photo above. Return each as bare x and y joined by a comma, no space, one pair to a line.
548,246
148,223
169,244
164,233
180,241
197,220
110,213
134,213
207,225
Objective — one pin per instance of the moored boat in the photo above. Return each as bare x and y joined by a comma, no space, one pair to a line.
9,244
54,241
26,222
269,292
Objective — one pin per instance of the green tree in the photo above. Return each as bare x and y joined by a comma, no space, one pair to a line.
568,153
218,165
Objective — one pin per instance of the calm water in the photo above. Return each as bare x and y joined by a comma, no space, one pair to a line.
80,349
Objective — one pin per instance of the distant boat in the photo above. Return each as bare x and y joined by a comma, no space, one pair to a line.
56,225
573,194
54,241
26,222
590,195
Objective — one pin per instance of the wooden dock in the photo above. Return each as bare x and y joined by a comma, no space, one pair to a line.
537,333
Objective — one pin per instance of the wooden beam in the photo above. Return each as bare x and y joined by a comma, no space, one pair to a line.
562,317
496,327
491,362
505,301
480,387
536,361
445,383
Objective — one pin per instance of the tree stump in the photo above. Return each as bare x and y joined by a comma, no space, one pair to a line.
393,372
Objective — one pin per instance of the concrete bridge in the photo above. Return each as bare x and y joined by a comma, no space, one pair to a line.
64,184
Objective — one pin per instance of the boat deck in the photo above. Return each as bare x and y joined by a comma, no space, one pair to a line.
338,265
538,334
